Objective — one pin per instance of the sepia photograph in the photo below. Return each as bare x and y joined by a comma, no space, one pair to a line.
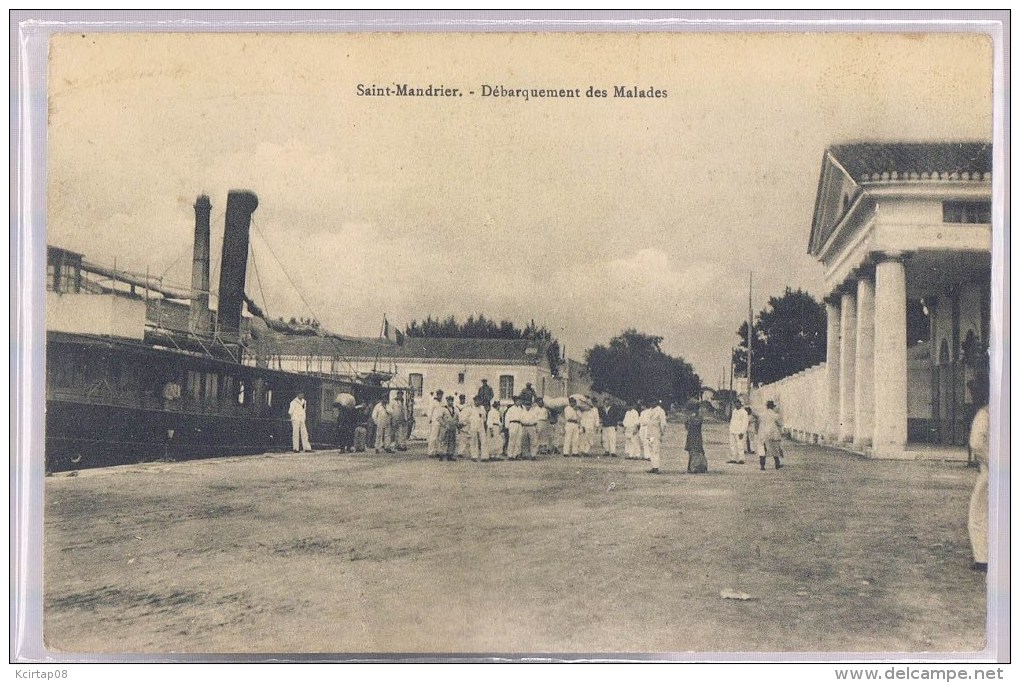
643,346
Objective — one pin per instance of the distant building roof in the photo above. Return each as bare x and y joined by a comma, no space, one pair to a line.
875,161
521,351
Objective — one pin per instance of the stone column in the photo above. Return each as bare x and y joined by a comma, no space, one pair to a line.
864,380
890,432
831,428
847,364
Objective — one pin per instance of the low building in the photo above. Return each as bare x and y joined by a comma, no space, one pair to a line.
424,365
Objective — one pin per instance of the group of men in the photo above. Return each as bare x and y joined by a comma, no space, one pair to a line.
485,430
644,426
392,420
751,433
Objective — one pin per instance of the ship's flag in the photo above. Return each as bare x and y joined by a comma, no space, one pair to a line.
392,332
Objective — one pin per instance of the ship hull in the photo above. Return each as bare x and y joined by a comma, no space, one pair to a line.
114,402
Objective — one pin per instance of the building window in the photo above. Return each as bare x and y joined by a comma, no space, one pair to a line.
966,212
506,387
194,384
327,395
212,384
417,381
460,378
918,322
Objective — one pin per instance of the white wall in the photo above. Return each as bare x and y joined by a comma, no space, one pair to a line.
800,400
103,314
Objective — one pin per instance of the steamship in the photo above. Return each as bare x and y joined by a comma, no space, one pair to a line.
138,371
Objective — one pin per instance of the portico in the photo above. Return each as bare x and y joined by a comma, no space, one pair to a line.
904,233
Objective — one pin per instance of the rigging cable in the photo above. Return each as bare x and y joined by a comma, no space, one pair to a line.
332,340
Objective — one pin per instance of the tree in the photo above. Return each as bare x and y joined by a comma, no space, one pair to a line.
788,336
634,367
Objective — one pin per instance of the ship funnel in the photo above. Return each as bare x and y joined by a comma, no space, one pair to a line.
199,318
240,206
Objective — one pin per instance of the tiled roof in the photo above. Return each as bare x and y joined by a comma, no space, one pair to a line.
878,161
507,350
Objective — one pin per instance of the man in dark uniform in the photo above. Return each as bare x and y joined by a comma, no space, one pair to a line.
610,416
346,423
485,394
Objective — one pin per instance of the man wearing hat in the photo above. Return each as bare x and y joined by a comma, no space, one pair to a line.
478,442
631,424
494,423
299,429
512,420
381,418
738,433
590,428
529,429
544,432
448,429
485,393
398,421
463,416
435,407
609,416
771,435
571,428
653,426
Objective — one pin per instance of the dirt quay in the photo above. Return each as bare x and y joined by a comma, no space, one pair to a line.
338,553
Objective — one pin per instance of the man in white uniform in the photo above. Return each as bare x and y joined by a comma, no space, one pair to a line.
494,422
463,414
644,417
977,519
478,441
529,430
435,406
544,431
297,411
381,418
572,429
738,432
631,423
589,430
398,421
653,422
512,420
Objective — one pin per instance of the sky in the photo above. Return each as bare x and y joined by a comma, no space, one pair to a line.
588,215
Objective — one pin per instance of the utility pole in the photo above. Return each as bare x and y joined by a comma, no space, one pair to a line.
750,325
730,411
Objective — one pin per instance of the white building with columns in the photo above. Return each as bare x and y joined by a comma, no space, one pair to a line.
904,233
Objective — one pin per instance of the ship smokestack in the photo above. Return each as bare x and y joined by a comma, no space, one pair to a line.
240,206
200,268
